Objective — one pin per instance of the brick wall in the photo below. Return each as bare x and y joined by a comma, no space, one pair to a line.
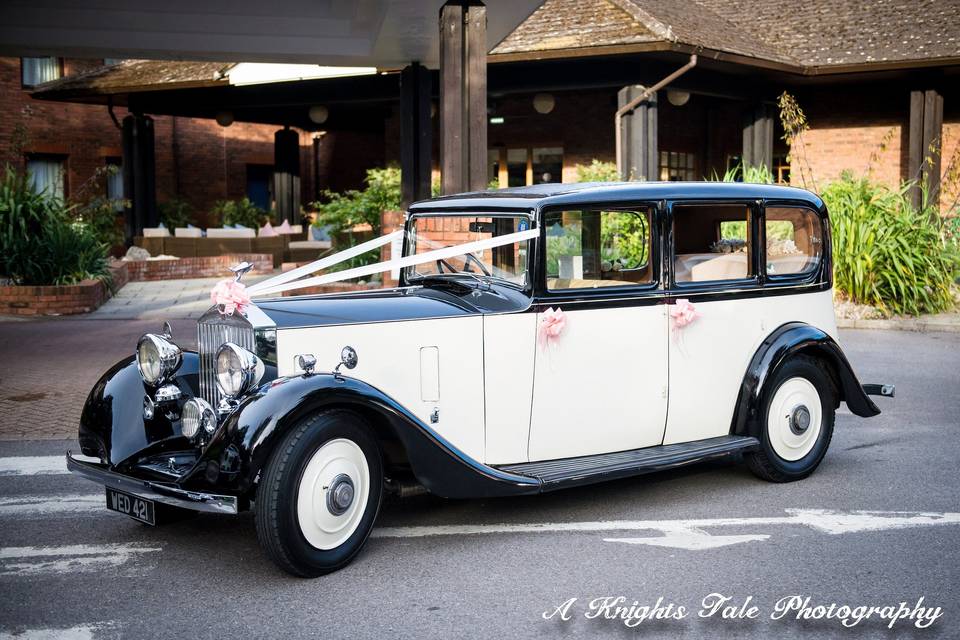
205,267
33,301
196,159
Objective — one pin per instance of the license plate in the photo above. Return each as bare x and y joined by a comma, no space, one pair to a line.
134,506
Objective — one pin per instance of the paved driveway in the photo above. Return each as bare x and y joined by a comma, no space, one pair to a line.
162,299
493,568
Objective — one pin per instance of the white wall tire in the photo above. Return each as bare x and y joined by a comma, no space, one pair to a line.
796,421
320,493
332,493
794,418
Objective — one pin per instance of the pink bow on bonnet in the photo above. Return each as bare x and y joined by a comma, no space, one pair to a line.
230,296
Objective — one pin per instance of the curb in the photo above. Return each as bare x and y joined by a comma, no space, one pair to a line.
950,325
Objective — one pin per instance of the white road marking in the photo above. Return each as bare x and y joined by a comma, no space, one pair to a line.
37,465
822,520
690,539
80,632
40,506
31,561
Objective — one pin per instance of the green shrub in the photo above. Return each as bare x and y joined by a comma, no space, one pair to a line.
341,212
39,242
176,213
101,217
887,253
597,171
243,212
745,173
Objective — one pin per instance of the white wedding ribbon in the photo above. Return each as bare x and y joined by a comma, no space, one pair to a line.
273,287
324,263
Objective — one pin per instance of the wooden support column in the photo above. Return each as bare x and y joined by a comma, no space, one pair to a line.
286,175
924,145
637,155
139,175
758,137
415,134
463,96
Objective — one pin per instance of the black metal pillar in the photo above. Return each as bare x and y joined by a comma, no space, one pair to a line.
637,155
758,137
924,142
139,175
463,96
286,175
415,134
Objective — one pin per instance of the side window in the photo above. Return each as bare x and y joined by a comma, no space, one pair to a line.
794,240
592,248
712,242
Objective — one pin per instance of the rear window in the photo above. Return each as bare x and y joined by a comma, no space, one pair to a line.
794,241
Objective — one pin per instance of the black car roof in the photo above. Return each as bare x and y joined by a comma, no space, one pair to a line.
536,196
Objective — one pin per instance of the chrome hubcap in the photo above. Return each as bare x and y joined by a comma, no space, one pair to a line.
799,419
340,494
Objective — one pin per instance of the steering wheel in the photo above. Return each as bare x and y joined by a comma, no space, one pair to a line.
466,264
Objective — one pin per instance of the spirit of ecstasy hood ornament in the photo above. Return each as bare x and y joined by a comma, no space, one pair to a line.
240,269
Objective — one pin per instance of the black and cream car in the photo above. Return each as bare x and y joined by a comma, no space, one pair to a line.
636,327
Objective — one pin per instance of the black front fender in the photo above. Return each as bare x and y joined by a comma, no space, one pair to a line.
112,426
786,341
250,434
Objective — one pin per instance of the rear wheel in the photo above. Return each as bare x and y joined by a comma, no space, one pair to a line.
320,494
798,413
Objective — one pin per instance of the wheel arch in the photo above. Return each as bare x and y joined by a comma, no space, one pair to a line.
259,424
783,343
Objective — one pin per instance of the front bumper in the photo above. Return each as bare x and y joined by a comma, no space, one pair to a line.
161,492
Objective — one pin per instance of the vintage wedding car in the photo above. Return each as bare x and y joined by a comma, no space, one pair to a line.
539,338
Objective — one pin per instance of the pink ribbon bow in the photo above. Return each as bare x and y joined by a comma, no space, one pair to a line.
683,313
230,296
552,323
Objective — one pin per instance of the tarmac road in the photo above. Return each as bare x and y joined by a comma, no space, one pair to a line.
69,567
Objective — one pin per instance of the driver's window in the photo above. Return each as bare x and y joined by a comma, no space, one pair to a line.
593,248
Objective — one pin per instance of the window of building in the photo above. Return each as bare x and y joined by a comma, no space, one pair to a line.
781,168
34,71
518,167
591,249
46,174
712,242
794,240
677,165
115,182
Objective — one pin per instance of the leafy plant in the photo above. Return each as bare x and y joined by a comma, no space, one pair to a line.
342,212
175,213
745,173
597,171
40,242
887,253
242,212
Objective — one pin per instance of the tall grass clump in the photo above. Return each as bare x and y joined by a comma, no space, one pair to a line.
888,253
40,243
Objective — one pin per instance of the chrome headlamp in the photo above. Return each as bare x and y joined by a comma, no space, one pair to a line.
197,417
157,358
238,370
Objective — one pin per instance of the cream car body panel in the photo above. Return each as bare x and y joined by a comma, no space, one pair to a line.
709,357
390,360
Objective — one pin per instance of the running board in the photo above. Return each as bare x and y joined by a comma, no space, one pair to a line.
566,472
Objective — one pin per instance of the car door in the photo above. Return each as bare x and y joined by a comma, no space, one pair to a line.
713,267
600,363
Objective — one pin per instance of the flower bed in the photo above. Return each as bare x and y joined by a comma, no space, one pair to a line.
206,267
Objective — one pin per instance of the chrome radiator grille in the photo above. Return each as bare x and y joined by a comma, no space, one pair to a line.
212,331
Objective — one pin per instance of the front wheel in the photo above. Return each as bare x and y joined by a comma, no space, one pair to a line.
798,412
319,494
